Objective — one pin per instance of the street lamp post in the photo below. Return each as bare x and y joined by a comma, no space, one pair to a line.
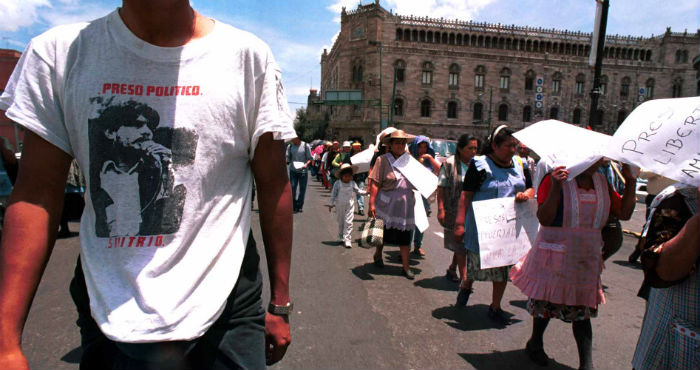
381,120
594,117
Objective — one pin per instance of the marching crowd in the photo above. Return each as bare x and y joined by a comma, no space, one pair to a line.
579,229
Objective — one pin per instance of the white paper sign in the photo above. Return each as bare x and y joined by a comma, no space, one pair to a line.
419,214
662,136
563,144
362,159
506,229
298,165
420,177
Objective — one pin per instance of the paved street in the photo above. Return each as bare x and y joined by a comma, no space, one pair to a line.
352,315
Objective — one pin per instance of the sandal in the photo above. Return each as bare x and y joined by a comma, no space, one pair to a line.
538,356
379,262
419,252
451,275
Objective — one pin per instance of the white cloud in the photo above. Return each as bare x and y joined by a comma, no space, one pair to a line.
17,14
338,5
448,9
73,12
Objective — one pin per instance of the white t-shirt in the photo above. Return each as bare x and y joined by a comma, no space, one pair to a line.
165,137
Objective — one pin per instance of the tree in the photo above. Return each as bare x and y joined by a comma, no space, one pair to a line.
310,127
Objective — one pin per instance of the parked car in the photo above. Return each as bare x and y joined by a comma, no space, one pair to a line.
443,148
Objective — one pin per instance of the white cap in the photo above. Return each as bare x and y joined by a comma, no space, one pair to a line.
347,143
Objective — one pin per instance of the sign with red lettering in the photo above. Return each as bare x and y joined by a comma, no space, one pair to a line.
661,136
506,230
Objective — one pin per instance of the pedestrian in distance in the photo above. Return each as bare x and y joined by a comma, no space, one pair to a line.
154,102
392,200
450,182
561,272
359,178
497,173
299,159
343,200
422,150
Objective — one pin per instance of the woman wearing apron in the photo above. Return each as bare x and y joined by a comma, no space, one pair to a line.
391,199
561,272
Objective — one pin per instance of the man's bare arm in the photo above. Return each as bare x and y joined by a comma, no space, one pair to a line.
29,233
275,203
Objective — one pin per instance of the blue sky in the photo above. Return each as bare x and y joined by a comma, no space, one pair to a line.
298,30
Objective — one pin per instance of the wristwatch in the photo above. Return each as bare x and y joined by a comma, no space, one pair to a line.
280,310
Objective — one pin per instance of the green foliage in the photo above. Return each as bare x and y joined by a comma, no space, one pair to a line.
310,127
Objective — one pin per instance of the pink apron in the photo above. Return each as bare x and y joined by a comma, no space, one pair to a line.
565,263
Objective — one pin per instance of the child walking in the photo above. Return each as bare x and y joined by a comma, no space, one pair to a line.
343,199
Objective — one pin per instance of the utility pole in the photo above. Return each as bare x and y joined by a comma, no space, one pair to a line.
490,98
597,51
393,98
382,124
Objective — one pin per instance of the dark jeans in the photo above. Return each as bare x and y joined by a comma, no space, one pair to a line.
235,341
298,179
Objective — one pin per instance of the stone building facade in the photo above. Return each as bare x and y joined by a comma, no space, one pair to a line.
448,77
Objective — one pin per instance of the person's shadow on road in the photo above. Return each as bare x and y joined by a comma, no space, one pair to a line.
437,283
470,318
369,270
516,359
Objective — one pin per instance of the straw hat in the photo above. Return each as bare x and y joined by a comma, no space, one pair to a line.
398,134
383,134
346,167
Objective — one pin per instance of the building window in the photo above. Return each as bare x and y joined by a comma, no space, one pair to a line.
579,84
527,113
357,73
621,115
479,82
478,112
427,74
677,88
603,85
425,108
504,81
576,119
625,87
554,113
398,107
650,89
503,112
556,83
453,81
529,80
452,109
400,70
479,74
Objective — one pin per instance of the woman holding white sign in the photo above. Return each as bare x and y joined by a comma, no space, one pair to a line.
498,173
561,272
391,199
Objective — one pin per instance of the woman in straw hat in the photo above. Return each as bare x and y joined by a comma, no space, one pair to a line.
391,200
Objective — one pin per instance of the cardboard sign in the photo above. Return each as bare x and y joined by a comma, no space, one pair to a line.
563,144
420,177
506,229
661,136
363,159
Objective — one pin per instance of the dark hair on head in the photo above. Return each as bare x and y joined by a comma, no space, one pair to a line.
464,140
497,136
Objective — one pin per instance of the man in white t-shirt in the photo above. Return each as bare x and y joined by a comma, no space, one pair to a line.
171,115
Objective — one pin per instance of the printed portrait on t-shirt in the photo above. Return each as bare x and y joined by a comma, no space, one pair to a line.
133,157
